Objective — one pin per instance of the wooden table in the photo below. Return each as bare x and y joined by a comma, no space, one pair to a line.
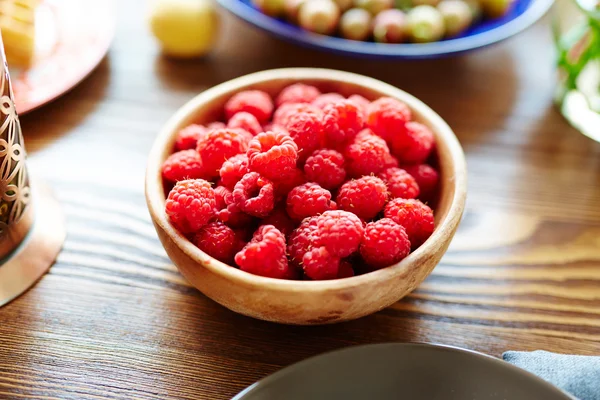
114,319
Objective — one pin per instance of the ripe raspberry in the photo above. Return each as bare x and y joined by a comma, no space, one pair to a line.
306,129
233,170
414,216
285,184
297,93
400,183
218,241
302,240
327,98
288,109
185,164
255,102
220,144
365,197
190,205
254,195
319,264
188,137
280,220
339,231
360,102
345,270
390,161
265,254
273,155
341,122
426,177
215,125
245,121
415,146
387,116
366,154
325,167
384,243
308,200
228,212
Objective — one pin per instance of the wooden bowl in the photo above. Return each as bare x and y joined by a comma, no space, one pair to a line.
307,302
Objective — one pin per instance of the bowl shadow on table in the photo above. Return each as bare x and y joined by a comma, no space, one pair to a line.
60,116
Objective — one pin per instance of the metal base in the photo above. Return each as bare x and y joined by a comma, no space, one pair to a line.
32,259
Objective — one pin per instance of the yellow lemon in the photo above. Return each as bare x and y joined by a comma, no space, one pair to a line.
184,28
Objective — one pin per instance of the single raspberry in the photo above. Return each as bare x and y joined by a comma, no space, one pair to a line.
416,218
415,145
341,122
265,254
360,102
280,220
339,231
387,116
400,183
281,115
308,200
228,212
233,170
345,270
185,164
325,167
216,125
366,154
187,138
283,186
218,241
390,161
246,121
427,178
297,93
319,264
273,155
220,144
254,195
384,243
302,240
327,98
191,204
255,102
364,197
306,129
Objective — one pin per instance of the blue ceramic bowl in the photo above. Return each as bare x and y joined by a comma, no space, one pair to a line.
523,15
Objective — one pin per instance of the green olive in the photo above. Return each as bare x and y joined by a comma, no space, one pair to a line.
320,16
476,11
356,24
496,8
344,4
292,8
416,3
374,6
457,16
274,8
389,26
425,24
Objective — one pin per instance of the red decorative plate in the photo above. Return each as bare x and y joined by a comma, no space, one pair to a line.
72,37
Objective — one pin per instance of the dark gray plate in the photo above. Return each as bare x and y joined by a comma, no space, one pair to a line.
402,372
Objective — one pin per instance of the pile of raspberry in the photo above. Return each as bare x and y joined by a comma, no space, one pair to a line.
307,185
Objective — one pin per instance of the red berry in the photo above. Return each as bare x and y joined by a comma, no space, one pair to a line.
255,102
220,144
366,154
280,220
191,204
187,138
265,254
228,212
426,177
325,167
360,102
185,164
415,145
319,264
233,170
416,218
339,231
286,183
218,241
286,110
254,195
390,161
308,200
245,121
306,129
215,125
273,155
384,243
400,183
327,98
297,93
345,270
302,240
365,197
387,116
341,122
222,197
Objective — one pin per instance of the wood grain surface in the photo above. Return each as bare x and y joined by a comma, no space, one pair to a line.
115,320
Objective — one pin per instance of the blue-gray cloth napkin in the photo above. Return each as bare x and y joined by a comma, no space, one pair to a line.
577,375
